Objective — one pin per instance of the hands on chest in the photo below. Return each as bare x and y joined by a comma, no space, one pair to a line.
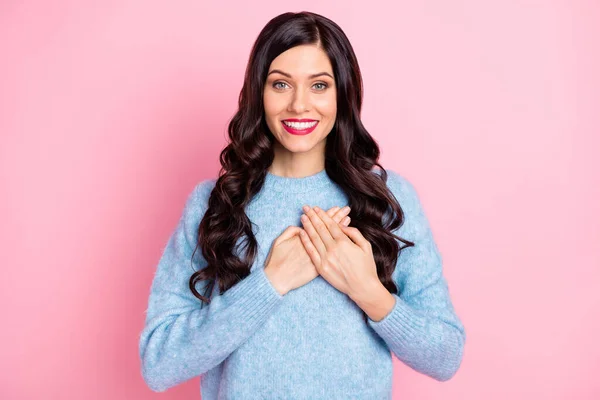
325,246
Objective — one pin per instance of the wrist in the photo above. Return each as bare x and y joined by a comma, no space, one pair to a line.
368,292
377,302
273,277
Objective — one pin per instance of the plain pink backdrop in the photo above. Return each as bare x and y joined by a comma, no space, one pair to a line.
110,113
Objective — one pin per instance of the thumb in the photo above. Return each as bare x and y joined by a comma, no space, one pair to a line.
288,233
355,235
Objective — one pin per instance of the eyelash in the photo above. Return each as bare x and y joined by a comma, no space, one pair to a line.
318,83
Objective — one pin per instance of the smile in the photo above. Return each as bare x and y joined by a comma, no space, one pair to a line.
299,127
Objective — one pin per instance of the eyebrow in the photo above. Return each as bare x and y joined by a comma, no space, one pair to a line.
290,76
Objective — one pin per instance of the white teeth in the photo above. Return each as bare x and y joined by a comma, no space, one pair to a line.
300,125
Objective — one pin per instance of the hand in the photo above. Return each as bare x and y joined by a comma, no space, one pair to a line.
288,265
341,254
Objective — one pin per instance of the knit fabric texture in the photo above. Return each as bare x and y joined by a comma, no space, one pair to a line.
313,342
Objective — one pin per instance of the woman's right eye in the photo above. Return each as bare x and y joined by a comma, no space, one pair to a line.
278,83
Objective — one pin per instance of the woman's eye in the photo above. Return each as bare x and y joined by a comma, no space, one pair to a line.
320,86
278,83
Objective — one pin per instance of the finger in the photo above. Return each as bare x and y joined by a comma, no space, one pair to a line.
311,250
333,211
333,229
341,214
320,227
313,235
287,233
357,237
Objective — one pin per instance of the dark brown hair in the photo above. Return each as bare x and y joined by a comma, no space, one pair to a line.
350,155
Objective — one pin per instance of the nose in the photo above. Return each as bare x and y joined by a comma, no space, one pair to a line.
299,102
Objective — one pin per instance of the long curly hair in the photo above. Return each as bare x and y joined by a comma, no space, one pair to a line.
350,155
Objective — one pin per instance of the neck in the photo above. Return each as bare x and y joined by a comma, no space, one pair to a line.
291,164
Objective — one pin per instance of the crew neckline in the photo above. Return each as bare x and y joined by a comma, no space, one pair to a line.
297,185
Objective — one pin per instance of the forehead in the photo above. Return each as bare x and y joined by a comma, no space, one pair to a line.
302,60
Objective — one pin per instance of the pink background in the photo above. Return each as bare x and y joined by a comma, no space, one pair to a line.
110,113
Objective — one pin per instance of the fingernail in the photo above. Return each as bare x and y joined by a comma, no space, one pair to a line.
305,208
346,208
317,208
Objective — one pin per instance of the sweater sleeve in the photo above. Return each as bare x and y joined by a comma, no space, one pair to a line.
183,337
422,329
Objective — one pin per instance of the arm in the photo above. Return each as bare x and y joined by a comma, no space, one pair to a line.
183,337
422,328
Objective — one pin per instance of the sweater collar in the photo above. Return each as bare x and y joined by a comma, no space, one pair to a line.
297,185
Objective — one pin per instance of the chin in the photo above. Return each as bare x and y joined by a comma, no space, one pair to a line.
298,149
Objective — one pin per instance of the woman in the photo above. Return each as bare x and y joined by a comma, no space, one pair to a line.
313,308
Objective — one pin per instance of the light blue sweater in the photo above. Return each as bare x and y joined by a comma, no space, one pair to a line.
312,343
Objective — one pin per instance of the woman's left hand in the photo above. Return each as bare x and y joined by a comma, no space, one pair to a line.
341,254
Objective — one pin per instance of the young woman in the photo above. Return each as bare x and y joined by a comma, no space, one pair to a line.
309,307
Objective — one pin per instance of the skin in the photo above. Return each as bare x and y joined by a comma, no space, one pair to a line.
300,96
341,254
344,258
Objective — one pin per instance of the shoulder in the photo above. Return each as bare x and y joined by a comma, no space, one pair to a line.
195,207
406,193
402,188
199,195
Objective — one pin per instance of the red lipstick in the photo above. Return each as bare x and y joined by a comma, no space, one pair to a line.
295,131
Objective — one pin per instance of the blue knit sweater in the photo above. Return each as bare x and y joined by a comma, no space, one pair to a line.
313,342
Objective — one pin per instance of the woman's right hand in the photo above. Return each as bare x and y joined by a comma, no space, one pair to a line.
288,265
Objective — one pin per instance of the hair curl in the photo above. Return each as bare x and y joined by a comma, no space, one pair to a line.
350,155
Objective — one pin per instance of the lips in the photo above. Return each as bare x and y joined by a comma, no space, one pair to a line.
295,131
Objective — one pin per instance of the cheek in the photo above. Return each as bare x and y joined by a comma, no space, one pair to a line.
273,104
268,105
327,106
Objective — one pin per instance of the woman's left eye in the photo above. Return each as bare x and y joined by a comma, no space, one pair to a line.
324,85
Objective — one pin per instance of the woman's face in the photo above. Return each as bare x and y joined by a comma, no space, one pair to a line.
300,86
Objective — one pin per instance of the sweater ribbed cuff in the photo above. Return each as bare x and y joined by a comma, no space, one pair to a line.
401,324
254,296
